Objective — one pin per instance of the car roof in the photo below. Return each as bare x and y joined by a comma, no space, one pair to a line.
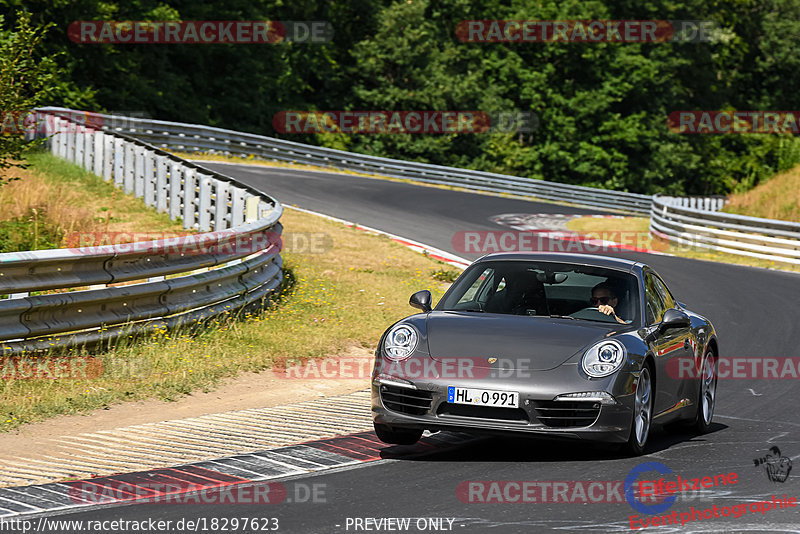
561,257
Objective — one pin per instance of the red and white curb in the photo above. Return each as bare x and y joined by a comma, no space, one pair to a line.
222,481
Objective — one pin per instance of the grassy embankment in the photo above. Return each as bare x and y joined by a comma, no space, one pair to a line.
335,300
777,198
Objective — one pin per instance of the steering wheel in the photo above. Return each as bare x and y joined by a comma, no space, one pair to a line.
593,313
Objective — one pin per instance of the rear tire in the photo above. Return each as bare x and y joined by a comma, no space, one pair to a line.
398,436
642,414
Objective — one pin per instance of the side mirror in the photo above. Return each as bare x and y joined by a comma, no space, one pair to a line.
674,318
421,300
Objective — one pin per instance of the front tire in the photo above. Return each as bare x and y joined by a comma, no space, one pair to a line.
642,414
707,395
398,436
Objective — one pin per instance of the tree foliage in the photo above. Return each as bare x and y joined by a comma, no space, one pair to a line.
602,107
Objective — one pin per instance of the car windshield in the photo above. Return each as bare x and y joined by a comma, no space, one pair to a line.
545,289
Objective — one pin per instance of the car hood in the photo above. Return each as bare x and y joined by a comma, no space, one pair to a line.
518,342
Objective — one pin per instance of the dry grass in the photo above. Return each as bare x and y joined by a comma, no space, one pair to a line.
778,198
635,231
335,300
76,201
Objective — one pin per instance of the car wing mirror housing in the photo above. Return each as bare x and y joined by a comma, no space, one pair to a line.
674,318
421,300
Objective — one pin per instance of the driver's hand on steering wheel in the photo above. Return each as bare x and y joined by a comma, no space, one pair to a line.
608,310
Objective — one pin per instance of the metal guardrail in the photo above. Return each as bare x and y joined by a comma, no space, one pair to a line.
767,239
168,282
196,138
691,221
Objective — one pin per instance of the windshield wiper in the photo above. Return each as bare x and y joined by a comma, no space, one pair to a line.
472,310
563,317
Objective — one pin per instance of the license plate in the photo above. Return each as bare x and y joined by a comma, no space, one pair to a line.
483,397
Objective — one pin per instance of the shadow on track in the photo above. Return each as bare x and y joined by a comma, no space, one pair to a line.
524,449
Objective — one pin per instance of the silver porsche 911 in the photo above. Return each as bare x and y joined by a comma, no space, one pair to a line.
562,345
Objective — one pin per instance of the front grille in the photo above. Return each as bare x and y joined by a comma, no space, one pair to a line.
483,412
561,414
406,400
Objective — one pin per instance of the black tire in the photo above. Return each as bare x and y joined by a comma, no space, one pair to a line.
398,436
642,420
706,395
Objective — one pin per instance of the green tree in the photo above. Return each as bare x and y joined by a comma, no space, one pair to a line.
24,81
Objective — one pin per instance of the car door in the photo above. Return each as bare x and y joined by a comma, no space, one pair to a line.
664,345
683,344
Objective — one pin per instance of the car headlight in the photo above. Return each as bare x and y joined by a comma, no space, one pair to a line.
604,358
400,342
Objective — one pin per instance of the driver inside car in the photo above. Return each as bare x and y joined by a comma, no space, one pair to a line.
605,299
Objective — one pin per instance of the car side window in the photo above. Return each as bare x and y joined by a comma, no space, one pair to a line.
486,279
654,302
666,296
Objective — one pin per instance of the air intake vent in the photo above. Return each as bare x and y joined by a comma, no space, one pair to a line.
562,414
483,412
406,400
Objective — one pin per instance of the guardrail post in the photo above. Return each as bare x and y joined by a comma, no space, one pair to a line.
139,172
175,187
204,207
58,131
149,178
70,155
221,219
80,144
237,205
162,193
108,156
130,167
55,143
251,208
189,198
88,149
119,162
98,151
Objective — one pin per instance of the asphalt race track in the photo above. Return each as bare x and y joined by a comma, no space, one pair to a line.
754,310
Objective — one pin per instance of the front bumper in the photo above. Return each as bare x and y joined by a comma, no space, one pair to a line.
425,406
